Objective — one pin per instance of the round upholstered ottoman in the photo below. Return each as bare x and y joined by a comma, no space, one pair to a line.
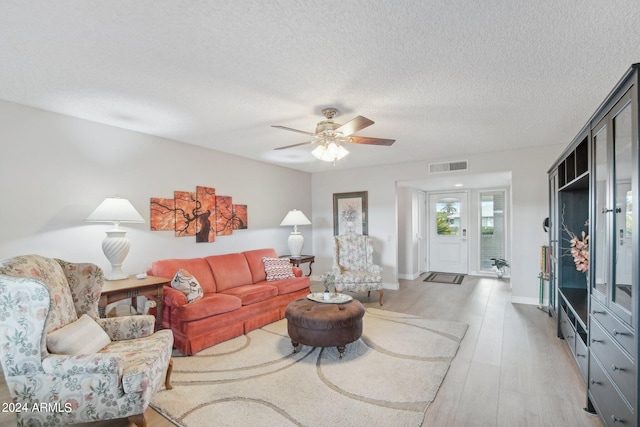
324,325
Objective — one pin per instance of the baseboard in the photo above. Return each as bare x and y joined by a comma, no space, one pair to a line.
525,300
391,286
412,276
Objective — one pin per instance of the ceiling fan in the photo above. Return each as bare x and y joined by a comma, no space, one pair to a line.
331,136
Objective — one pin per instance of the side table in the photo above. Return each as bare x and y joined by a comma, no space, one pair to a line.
302,259
116,290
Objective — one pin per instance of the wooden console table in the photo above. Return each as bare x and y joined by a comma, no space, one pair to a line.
116,290
297,260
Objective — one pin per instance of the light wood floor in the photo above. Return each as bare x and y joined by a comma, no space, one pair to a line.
511,370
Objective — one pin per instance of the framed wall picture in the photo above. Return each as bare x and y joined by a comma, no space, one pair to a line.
350,213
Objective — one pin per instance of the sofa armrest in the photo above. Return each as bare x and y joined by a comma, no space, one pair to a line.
297,271
128,327
98,363
172,297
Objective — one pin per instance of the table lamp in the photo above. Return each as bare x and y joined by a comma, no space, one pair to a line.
115,245
295,241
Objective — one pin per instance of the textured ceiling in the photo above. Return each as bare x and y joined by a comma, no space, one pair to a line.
444,78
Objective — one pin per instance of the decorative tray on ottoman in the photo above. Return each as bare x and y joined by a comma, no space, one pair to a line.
334,298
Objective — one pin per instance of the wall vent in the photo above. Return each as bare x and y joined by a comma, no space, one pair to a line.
460,165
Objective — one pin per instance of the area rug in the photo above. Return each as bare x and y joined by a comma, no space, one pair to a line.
454,279
388,377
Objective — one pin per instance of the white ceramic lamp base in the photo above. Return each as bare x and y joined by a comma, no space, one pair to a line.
116,247
295,242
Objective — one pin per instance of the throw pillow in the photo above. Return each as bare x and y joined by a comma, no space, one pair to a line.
277,268
184,282
84,336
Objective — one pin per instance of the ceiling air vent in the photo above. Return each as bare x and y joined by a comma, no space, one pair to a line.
448,167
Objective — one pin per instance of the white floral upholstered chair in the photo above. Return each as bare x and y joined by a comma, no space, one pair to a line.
46,303
353,267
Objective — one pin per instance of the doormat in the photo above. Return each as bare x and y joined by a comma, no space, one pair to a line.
452,279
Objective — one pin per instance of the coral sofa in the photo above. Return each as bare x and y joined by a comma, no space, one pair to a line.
237,297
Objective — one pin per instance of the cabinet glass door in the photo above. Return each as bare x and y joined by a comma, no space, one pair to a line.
622,210
599,253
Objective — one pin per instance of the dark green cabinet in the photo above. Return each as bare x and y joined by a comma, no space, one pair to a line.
594,190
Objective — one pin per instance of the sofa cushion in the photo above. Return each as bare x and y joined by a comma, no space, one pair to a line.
184,282
198,267
288,286
84,336
277,269
229,270
256,265
210,305
251,294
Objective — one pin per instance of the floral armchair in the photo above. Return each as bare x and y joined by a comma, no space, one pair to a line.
40,295
353,267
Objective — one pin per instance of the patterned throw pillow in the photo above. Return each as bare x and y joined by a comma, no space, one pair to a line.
184,282
277,268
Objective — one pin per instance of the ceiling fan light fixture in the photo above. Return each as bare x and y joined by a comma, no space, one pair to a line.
329,152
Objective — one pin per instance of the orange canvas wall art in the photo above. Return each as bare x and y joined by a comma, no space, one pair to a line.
206,206
163,214
201,214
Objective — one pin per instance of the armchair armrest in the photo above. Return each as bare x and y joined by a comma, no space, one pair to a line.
128,327
172,297
297,271
98,363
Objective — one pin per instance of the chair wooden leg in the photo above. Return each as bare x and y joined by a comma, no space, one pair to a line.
368,294
139,420
167,380
381,293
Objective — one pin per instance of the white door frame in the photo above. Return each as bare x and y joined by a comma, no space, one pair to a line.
421,235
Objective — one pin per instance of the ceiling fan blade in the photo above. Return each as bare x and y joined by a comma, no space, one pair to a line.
293,130
354,125
371,141
294,145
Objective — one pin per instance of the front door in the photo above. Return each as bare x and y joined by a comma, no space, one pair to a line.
448,232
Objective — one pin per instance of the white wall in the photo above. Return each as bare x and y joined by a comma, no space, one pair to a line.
529,202
408,263
55,169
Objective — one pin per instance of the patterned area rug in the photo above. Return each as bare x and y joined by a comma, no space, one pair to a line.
454,279
387,377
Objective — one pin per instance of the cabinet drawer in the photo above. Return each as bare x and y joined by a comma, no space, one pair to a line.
581,357
618,330
610,405
567,330
619,367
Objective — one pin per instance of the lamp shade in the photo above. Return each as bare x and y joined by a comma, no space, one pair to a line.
295,217
115,209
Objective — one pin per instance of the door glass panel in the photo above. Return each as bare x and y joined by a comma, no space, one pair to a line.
623,208
448,217
599,224
492,228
